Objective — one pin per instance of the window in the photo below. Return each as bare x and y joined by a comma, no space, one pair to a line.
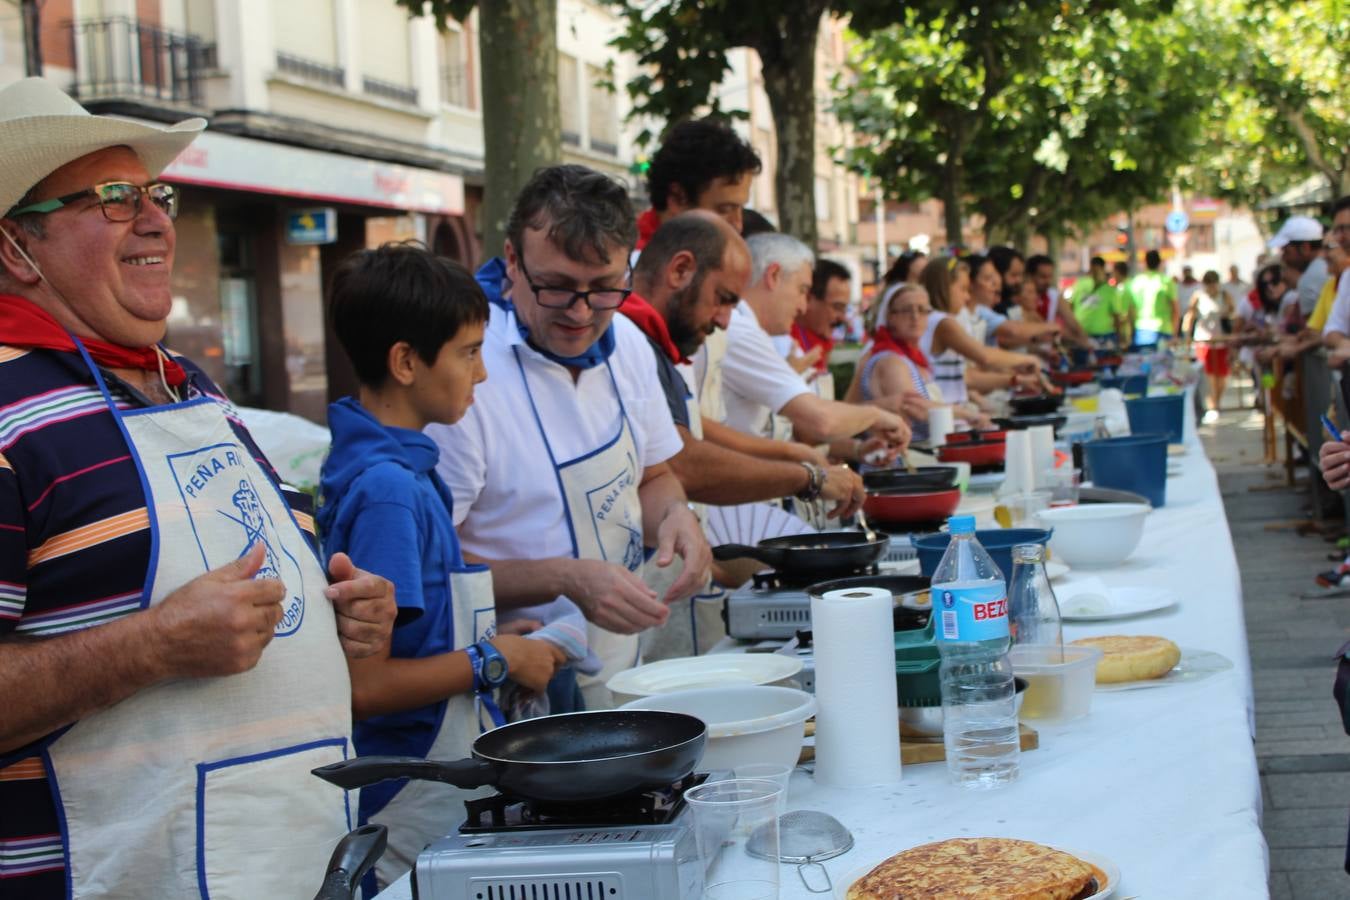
602,113
569,100
456,69
383,50
306,30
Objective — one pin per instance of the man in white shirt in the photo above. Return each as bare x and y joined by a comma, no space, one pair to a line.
759,384
558,471
1236,289
1299,241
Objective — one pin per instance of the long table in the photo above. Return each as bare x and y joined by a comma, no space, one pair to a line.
1163,782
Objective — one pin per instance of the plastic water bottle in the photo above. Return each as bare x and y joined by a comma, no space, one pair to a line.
1032,607
970,600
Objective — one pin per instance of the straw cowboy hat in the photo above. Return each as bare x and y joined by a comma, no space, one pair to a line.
42,128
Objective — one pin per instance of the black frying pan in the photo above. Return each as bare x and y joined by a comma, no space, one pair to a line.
352,858
925,478
829,551
571,758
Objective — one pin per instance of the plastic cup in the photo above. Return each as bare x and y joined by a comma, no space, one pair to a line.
779,775
941,423
1063,485
1022,508
726,814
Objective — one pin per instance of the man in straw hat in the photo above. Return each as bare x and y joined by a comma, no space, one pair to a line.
171,651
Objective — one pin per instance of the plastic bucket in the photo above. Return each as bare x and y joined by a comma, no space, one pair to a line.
997,541
1127,384
1136,463
1158,415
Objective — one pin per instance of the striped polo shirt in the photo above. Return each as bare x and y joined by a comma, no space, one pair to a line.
74,549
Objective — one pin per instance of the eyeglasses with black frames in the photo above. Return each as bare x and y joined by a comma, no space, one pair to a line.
119,200
552,297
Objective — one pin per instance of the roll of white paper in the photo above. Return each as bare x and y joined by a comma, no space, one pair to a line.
1019,470
1042,453
940,424
857,721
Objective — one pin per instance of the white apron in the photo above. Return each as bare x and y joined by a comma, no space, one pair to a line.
200,787
425,810
599,491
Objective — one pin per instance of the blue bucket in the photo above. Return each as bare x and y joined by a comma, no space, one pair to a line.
1126,384
1158,415
997,541
1137,463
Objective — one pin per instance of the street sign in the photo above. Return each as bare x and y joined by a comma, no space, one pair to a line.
312,226
1177,222
1178,240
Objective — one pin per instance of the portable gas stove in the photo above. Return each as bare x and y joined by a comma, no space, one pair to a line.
634,848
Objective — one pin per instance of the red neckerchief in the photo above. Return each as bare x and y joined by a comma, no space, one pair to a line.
647,223
1043,305
807,339
653,325
883,340
24,324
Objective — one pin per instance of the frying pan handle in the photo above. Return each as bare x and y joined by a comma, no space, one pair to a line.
352,858
725,552
363,771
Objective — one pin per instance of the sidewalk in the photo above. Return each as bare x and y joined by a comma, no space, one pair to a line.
1302,751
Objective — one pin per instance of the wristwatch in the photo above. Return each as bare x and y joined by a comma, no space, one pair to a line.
490,669
815,482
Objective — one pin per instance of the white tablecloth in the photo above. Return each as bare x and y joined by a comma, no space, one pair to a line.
1163,782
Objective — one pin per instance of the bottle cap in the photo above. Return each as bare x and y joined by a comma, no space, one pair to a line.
961,525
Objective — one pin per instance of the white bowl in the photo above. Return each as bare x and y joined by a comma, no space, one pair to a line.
711,670
746,724
1094,535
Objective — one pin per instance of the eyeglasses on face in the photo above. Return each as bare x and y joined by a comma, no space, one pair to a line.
564,298
119,200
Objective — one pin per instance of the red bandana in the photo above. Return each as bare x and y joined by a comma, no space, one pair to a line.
1043,305
24,324
653,325
807,339
883,340
647,223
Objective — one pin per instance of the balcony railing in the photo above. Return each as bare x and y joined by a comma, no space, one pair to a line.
123,58
309,70
387,90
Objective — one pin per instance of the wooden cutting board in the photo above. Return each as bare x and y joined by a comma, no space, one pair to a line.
915,752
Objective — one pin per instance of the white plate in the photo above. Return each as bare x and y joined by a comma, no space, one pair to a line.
712,670
1107,867
1195,665
1053,568
1124,603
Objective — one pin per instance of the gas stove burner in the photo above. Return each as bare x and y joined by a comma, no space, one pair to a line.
501,813
772,580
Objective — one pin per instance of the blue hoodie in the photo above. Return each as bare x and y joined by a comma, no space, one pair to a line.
383,504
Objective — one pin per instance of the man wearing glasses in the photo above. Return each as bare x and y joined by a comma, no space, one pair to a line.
171,651
559,470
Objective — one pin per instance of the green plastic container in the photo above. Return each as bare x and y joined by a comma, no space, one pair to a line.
916,667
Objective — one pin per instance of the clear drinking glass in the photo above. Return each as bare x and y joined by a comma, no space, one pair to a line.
779,775
1063,485
726,814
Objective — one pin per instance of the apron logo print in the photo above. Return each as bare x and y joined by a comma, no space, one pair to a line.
226,509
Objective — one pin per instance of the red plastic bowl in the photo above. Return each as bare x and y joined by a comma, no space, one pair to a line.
1074,377
977,453
901,507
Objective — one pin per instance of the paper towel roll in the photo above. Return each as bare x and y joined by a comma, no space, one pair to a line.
857,722
1042,453
941,422
1019,470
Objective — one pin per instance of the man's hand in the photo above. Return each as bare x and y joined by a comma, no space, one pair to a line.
845,488
913,405
365,607
796,451
806,361
613,597
529,663
218,623
681,534
892,429
1334,460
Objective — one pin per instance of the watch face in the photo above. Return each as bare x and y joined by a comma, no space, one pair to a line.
494,670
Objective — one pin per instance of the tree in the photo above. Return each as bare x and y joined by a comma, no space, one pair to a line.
522,125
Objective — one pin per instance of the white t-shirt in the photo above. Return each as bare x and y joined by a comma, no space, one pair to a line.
756,380
1208,315
495,460
1310,285
1339,317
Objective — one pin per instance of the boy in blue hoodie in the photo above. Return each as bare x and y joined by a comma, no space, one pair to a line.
412,325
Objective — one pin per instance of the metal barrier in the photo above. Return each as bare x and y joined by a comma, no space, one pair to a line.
119,58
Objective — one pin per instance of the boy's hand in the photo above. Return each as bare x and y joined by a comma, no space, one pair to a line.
529,663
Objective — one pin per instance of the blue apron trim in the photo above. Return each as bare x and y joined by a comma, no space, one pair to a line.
553,459
203,769
55,789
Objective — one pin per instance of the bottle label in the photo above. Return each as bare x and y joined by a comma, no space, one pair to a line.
969,614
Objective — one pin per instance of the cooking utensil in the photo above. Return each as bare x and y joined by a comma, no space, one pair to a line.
977,453
865,526
572,758
1036,404
909,466
828,551
1017,423
900,506
352,858
806,837
925,478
